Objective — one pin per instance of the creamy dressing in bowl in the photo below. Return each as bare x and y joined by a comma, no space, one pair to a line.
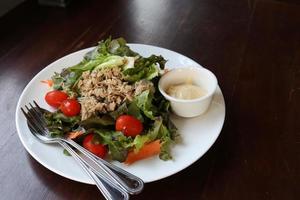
186,91
189,90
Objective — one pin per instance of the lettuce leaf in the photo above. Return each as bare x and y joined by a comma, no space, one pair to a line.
97,122
150,136
130,109
145,68
144,102
122,109
110,62
158,131
116,47
88,64
166,142
117,143
134,110
152,72
58,124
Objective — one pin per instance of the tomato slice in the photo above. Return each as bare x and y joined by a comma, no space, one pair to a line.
55,98
94,147
129,125
70,107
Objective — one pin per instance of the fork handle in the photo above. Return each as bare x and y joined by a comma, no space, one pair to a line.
109,191
129,182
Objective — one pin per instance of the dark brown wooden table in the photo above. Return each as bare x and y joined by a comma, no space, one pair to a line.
253,46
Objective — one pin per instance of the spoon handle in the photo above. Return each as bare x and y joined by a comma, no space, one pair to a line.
109,191
127,181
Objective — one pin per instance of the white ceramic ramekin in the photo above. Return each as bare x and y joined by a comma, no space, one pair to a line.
198,76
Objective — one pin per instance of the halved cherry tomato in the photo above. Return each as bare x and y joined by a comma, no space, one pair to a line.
129,125
70,107
96,148
55,98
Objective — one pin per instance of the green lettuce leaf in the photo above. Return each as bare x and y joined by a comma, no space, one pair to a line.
65,81
152,72
122,109
116,47
117,143
97,122
150,136
130,109
144,102
145,68
59,124
110,62
166,142
66,152
158,132
89,64
134,110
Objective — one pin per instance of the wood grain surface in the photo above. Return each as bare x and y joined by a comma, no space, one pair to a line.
253,46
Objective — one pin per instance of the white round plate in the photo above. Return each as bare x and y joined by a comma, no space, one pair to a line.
198,134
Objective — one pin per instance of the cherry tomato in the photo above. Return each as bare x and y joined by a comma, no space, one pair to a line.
55,98
129,125
70,107
94,147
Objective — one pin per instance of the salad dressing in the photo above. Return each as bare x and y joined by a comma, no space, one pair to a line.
186,91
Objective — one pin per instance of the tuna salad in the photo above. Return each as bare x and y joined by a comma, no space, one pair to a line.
109,103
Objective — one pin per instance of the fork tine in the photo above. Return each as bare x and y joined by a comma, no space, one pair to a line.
23,111
31,106
33,119
28,114
25,114
27,108
29,122
38,115
38,109
33,129
30,118
35,103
